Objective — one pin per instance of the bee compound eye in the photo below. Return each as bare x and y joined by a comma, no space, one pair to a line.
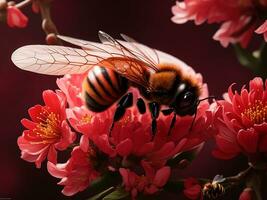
187,100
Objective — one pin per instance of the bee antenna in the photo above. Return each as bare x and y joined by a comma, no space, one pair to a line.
209,97
197,103
194,119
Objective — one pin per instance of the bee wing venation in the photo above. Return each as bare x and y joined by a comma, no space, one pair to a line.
92,46
55,60
119,48
129,48
131,68
146,53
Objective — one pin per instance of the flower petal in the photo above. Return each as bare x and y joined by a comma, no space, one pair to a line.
248,139
124,148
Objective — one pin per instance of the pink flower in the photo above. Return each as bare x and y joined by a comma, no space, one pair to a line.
132,134
71,86
247,194
238,18
263,30
15,18
46,131
149,183
225,35
131,143
192,189
241,122
131,148
76,174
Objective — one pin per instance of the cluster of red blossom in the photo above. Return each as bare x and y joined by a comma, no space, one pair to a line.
240,122
239,18
130,149
237,123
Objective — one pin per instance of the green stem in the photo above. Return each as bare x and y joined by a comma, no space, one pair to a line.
245,58
256,62
239,177
107,181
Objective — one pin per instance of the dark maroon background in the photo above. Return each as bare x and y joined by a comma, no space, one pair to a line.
148,21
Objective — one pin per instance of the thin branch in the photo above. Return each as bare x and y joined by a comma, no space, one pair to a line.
239,177
47,24
23,4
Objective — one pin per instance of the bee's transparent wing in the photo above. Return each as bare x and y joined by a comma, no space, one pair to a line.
218,179
147,54
60,60
129,48
55,60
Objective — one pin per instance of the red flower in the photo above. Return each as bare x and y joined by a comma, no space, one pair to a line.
151,182
15,18
76,174
247,194
192,189
47,131
241,122
71,86
132,143
131,148
132,134
263,30
238,18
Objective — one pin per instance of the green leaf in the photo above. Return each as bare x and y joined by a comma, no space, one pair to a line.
106,181
246,58
117,194
103,185
187,155
263,54
102,194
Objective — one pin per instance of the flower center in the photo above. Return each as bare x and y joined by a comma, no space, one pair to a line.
257,113
86,119
125,120
48,128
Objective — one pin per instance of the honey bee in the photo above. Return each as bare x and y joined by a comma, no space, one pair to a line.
112,67
215,189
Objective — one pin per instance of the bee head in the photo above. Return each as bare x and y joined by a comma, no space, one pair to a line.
186,100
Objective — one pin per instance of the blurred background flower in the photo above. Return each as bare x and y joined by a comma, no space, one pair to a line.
238,19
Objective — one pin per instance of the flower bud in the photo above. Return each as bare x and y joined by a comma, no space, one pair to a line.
192,188
15,18
247,194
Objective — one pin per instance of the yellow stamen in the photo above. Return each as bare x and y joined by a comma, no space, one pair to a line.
125,120
49,127
257,112
86,119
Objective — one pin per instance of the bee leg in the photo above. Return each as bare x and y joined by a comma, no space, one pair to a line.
167,111
193,121
141,106
125,102
154,110
172,123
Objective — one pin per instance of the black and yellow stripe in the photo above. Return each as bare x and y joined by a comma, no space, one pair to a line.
102,87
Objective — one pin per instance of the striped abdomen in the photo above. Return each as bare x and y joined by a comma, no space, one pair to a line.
102,87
